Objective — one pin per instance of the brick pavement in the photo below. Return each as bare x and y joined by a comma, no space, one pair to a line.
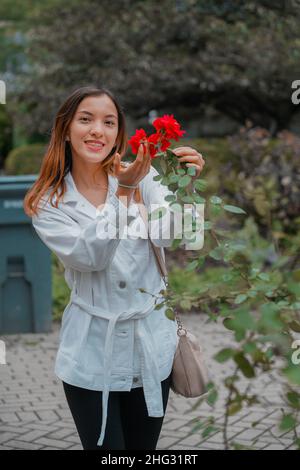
34,414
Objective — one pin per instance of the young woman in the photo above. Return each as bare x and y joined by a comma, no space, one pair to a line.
116,351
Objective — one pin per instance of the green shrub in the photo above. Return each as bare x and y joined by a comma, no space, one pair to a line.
25,160
266,180
60,289
216,152
257,172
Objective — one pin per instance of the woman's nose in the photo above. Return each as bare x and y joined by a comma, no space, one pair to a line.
97,128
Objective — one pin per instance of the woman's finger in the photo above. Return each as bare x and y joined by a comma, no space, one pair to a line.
198,168
189,158
141,151
147,156
116,164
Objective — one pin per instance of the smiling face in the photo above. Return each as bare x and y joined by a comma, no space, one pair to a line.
93,130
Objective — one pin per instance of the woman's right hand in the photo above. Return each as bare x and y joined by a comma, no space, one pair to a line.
134,172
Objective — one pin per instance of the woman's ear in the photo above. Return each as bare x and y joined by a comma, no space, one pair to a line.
67,138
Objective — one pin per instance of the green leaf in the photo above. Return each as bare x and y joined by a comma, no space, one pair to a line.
159,306
252,293
270,317
240,298
174,178
228,323
175,207
198,199
191,171
184,181
241,321
292,372
244,365
192,265
210,429
215,200
250,348
234,209
224,355
212,397
158,213
170,314
264,276
215,210
200,184
239,335
216,253
287,422
294,399
170,197
234,408
188,199
297,442
199,425
294,288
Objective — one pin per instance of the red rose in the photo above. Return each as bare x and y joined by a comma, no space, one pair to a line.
153,140
166,128
169,127
134,141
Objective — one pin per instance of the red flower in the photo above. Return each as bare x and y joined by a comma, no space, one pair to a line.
153,140
134,141
168,126
164,144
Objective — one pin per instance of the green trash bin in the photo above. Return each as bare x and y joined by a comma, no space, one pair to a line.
25,264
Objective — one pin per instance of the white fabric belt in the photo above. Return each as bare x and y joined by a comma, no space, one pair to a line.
149,367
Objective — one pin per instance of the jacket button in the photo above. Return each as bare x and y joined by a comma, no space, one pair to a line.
135,379
122,284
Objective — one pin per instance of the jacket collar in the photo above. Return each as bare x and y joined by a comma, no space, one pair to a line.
81,204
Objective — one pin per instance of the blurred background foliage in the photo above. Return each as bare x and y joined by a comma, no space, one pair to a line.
224,69
214,64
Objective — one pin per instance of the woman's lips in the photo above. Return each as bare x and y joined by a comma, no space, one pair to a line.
94,147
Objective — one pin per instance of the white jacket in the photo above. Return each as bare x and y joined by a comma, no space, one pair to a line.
111,336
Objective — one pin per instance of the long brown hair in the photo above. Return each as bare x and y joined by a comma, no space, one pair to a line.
57,160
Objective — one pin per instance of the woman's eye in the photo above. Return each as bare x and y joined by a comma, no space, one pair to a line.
85,119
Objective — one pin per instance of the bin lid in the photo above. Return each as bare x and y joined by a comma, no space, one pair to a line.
12,191
16,182
17,179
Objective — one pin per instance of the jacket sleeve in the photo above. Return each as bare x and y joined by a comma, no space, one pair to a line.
88,248
168,227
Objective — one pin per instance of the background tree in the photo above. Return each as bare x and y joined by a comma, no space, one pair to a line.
239,57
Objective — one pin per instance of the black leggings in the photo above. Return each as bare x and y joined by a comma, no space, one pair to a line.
128,424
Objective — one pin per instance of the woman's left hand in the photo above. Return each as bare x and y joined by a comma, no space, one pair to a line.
192,157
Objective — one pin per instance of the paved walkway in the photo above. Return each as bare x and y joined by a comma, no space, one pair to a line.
34,414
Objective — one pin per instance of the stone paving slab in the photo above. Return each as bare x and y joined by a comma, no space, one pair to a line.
34,413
